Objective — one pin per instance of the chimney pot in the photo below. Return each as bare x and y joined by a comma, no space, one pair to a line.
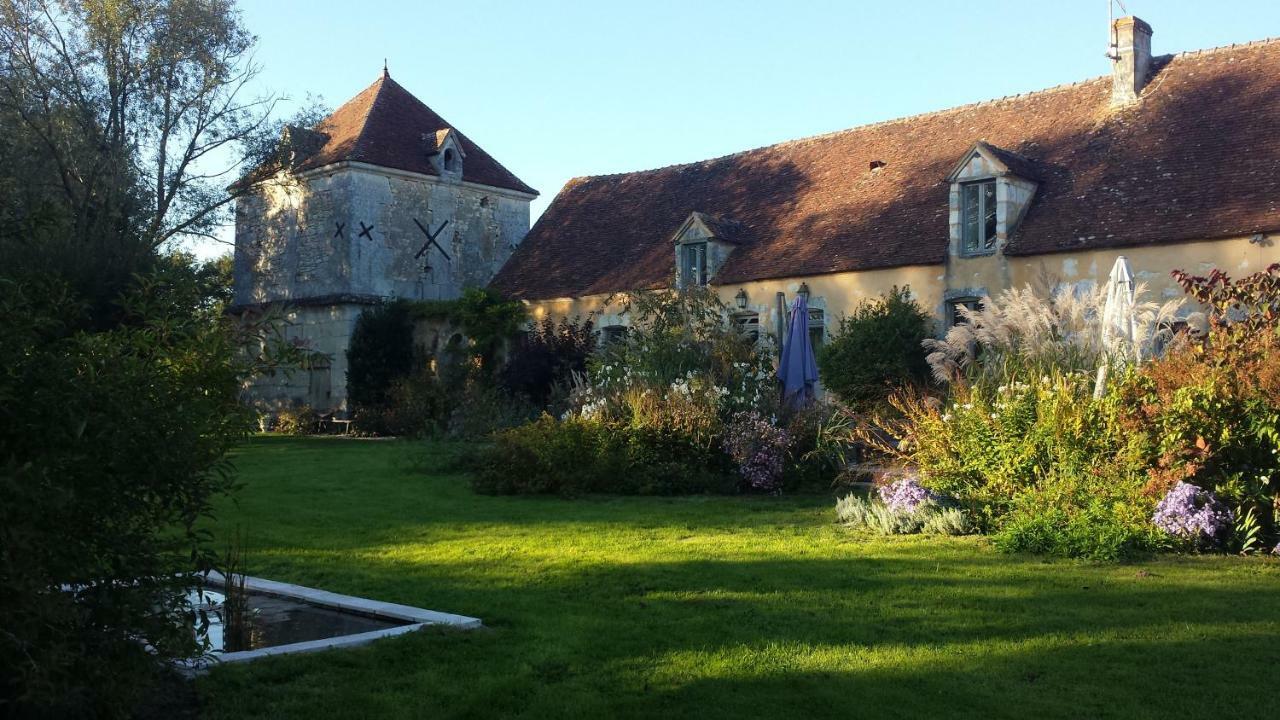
1131,63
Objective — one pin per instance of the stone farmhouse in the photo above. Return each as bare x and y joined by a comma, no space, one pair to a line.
1173,161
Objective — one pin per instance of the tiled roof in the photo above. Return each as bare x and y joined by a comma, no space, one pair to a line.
1017,164
1197,158
720,228
386,125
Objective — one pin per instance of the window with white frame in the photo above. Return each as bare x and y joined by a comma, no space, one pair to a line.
693,264
978,217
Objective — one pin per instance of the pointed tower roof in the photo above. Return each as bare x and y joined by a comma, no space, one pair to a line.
386,125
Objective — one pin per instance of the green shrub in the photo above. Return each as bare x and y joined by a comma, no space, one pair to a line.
578,455
650,416
876,349
380,354
663,459
947,521
112,448
480,410
821,449
547,456
1043,464
302,420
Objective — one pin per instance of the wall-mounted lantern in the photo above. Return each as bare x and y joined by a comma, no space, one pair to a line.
741,298
804,291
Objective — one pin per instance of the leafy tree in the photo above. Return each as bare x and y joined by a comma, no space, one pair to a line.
119,372
112,446
876,348
133,100
381,352
547,357
124,121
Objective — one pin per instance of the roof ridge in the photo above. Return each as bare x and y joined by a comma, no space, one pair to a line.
378,87
1220,48
919,116
855,128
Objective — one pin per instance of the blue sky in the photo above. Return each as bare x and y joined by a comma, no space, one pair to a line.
555,90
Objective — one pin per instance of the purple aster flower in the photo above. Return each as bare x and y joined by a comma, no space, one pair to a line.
1191,512
759,448
905,495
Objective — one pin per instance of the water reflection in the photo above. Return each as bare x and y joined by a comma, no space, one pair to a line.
270,621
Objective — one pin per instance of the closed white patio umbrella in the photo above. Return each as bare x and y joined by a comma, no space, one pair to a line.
1119,322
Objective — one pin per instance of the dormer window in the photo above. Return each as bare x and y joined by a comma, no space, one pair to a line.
703,243
978,216
991,191
447,154
693,264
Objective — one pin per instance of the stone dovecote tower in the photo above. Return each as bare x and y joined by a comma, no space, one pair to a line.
382,199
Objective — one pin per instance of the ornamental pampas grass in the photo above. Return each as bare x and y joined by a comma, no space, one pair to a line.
1032,333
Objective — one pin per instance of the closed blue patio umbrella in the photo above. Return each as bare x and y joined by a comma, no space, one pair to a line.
797,369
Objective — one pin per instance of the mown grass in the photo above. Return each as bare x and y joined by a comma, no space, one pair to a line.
718,608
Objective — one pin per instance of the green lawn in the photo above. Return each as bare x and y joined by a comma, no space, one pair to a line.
719,607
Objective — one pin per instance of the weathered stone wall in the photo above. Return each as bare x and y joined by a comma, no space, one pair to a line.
325,329
355,230
483,226
287,243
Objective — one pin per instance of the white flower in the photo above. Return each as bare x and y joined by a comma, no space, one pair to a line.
946,417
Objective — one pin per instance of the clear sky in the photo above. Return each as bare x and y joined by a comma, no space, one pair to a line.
556,90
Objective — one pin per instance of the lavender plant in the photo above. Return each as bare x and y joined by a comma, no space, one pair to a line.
926,516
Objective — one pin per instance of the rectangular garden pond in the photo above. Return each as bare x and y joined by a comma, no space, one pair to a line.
280,618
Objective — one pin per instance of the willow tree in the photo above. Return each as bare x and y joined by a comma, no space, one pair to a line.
140,113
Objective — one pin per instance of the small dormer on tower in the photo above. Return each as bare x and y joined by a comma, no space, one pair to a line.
991,190
446,153
702,245
299,144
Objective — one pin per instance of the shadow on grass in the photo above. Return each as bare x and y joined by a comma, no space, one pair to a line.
814,638
730,607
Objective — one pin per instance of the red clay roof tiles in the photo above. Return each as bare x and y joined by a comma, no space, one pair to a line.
386,125
1198,158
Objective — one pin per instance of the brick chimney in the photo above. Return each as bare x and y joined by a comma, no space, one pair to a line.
1130,60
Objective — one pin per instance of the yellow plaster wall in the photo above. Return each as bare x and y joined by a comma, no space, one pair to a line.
838,293
1152,265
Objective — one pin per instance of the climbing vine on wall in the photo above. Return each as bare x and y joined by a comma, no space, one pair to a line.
386,370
